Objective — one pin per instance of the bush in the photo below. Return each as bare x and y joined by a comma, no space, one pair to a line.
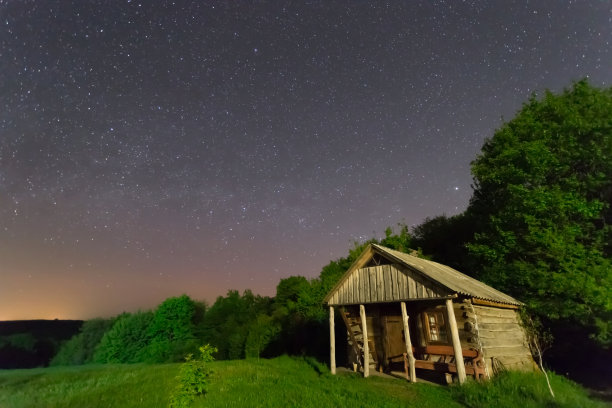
193,378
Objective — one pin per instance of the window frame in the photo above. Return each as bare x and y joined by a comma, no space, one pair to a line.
439,325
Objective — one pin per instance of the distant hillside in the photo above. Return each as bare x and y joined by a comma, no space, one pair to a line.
32,343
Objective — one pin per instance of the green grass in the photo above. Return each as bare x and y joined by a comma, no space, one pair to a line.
524,390
280,382
89,386
288,382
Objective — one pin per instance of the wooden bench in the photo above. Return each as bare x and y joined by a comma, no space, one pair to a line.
442,359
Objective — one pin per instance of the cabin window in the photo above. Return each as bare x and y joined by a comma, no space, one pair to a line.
435,327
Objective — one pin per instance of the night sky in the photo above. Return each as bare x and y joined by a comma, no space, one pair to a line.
151,149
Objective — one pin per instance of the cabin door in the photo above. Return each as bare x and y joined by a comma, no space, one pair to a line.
395,345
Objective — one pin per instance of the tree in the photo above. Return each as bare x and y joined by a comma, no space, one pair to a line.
227,322
288,290
171,331
125,341
444,239
80,348
261,332
542,193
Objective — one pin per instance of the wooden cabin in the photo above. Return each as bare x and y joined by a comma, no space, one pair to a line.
403,313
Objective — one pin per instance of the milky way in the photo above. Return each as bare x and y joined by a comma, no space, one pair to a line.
150,149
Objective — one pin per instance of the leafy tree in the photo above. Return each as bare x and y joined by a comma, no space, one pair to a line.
542,194
80,348
227,322
171,330
261,332
444,239
125,341
288,290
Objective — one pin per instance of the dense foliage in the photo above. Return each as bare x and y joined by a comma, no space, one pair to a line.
543,188
80,348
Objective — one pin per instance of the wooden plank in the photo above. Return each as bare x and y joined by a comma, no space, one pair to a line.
494,304
450,312
366,277
387,284
483,311
507,351
365,285
408,342
412,290
493,327
403,285
502,341
493,320
366,347
516,335
400,282
393,283
373,285
419,290
354,290
359,297
332,342
380,289
349,290
410,285
355,298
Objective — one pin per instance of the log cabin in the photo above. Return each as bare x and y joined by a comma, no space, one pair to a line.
404,313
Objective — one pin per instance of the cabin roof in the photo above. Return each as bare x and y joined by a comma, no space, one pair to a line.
452,280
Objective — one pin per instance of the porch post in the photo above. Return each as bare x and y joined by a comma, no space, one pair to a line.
408,343
366,347
452,322
332,342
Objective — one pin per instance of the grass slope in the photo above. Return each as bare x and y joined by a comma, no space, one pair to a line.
280,382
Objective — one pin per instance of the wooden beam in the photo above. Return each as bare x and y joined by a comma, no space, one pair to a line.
366,347
332,341
408,343
452,322
494,304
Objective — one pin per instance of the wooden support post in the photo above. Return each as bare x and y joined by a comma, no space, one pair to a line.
332,341
366,347
452,322
408,343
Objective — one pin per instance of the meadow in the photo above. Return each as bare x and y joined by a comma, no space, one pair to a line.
280,382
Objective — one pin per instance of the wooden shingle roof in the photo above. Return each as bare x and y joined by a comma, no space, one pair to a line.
413,278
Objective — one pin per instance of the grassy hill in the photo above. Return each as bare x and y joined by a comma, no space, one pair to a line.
280,382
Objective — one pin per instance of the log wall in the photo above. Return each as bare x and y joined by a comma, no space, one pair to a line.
502,337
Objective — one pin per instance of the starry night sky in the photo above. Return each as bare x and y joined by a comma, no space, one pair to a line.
150,149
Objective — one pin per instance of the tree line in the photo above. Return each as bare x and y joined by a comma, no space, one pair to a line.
537,227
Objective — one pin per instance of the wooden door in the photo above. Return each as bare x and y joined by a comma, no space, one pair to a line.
395,345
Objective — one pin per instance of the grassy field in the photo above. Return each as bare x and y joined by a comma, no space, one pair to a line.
280,382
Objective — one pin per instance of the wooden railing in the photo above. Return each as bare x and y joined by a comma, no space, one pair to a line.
442,359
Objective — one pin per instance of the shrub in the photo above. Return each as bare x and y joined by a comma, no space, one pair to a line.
193,378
